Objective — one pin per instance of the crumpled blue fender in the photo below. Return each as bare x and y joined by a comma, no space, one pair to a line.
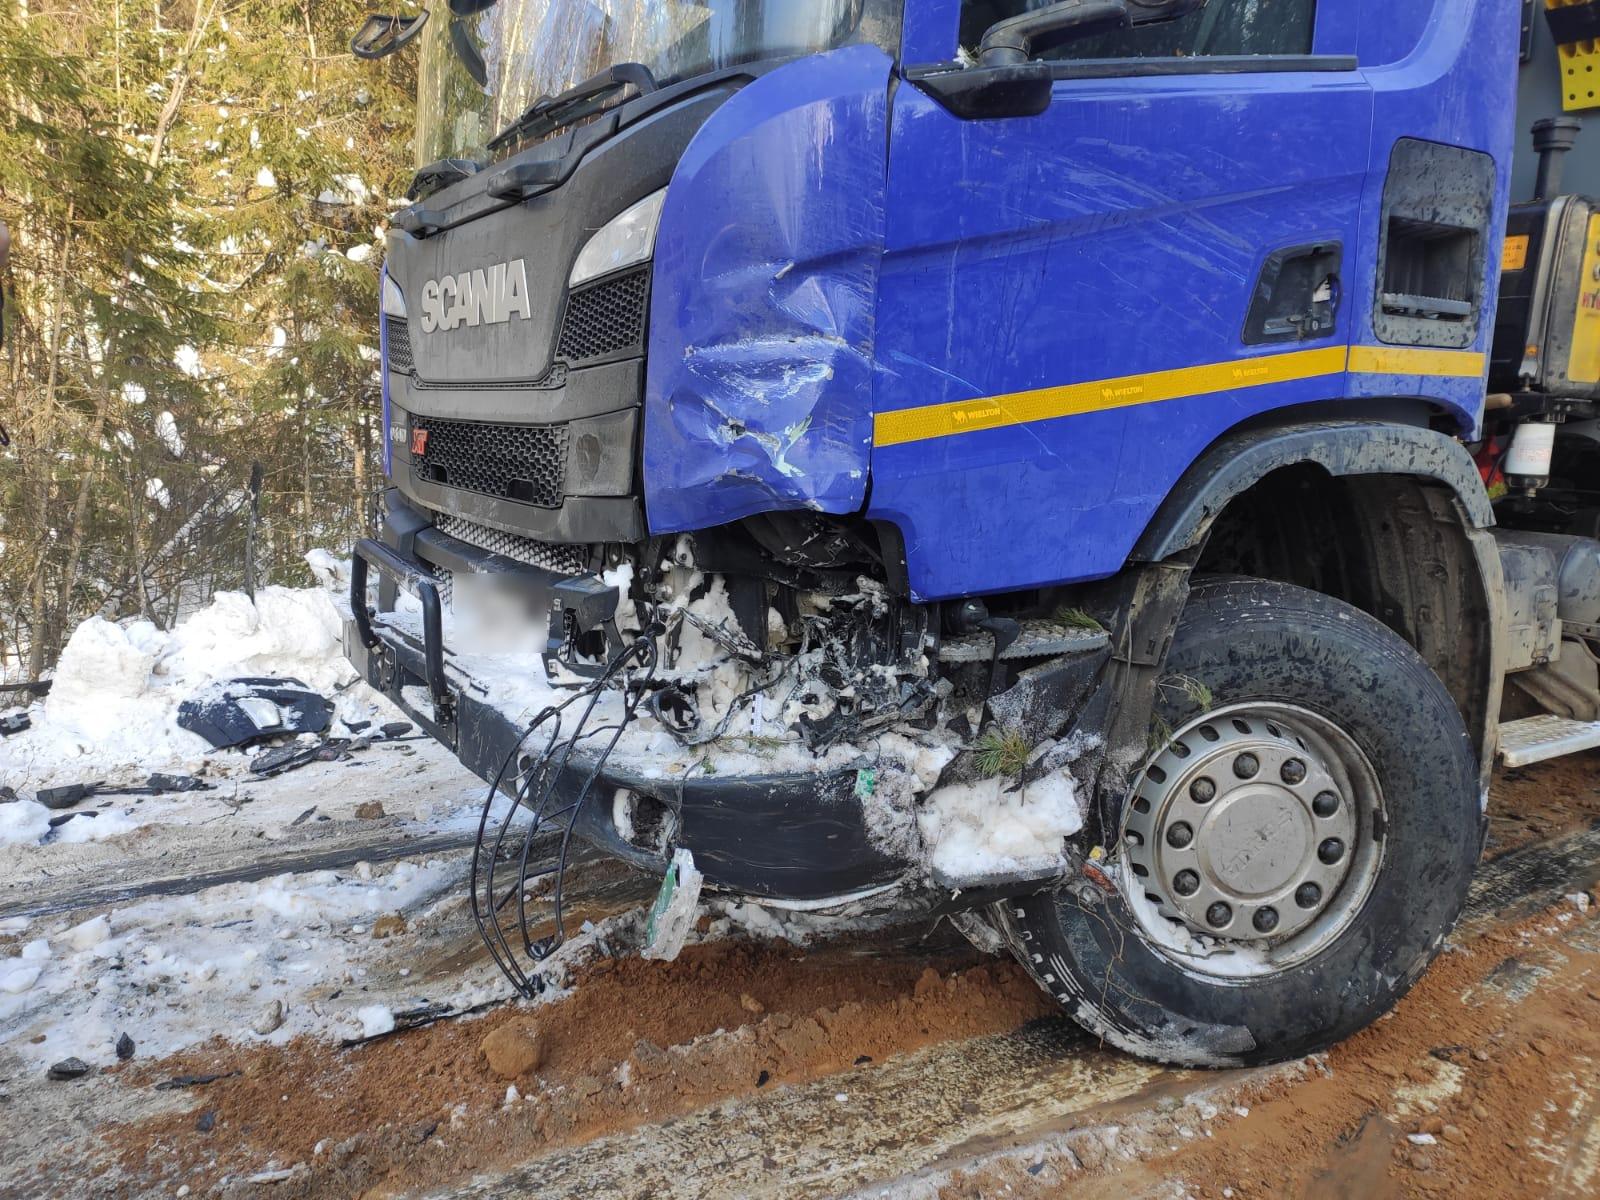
759,387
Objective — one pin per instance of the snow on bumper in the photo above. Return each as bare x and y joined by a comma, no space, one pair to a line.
798,836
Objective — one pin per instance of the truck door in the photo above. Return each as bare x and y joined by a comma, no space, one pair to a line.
1074,304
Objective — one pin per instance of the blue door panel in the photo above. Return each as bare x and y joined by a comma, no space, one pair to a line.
1119,233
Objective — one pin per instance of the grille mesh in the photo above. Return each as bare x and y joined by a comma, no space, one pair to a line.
563,559
606,318
399,346
444,579
526,463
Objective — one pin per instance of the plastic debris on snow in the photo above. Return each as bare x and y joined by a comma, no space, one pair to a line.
674,909
116,689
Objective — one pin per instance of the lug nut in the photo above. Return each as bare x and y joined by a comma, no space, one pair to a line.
1218,915
1186,883
1292,772
1265,920
1331,851
1326,804
1202,791
1180,835
1308,895
1246,765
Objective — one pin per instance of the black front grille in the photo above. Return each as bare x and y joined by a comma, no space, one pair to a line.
606,318
399,346
525,463
559,557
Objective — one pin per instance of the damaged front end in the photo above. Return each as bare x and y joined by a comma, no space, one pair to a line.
759,695
624,572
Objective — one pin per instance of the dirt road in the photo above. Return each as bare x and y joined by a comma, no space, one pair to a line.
903,1065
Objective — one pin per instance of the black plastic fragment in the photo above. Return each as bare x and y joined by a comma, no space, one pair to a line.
161,782
188,1081
237,712
14,723
64,796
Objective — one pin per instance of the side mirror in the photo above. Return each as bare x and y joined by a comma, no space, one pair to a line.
471,61
380,36
1015,40
1018,39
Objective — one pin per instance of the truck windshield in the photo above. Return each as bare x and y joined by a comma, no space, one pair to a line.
533,48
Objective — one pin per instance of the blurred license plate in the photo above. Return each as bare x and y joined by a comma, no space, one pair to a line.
491,614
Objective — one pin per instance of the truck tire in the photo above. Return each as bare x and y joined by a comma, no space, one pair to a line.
1289,858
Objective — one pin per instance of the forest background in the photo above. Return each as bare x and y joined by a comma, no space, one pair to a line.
197,194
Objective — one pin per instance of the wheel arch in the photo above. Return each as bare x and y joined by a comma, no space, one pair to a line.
1388,517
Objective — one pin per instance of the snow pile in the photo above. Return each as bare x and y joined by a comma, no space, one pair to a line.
974,831
25,823
112,709
174,971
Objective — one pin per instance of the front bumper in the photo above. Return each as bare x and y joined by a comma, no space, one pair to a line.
796,837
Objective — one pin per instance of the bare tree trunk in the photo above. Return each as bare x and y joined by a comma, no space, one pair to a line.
39,650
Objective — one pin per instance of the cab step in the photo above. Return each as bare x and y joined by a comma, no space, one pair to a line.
1535,739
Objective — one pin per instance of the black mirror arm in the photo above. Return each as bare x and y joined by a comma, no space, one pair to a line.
1018,39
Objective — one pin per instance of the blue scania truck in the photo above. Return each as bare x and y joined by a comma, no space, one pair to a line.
1146,386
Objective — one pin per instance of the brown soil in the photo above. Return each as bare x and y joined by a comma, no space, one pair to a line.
1536,803
1502,1084
635,1041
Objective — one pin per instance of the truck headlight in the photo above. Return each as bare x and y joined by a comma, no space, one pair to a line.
394,302
626,240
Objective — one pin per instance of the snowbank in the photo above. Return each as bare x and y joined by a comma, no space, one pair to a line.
112,710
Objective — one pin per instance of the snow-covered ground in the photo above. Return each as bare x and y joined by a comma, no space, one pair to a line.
284,956
170,970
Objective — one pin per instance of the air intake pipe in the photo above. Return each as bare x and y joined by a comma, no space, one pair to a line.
1552,138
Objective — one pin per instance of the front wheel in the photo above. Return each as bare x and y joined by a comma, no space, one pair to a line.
1293,852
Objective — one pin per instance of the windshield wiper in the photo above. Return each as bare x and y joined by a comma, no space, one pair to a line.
549,113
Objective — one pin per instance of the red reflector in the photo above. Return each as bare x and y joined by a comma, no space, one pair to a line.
419,441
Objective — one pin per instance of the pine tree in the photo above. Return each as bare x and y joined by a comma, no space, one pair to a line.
197,196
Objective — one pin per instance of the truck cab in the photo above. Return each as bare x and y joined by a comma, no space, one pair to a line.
993,457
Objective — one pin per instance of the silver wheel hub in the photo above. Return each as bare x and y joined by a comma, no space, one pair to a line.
1247,829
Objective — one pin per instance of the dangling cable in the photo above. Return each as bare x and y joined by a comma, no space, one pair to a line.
539,779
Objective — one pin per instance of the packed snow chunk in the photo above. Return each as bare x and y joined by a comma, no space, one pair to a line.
167,431
375,1019
108,824
286,631
15,978
674,909
101,662
23,823
973,831
89,934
